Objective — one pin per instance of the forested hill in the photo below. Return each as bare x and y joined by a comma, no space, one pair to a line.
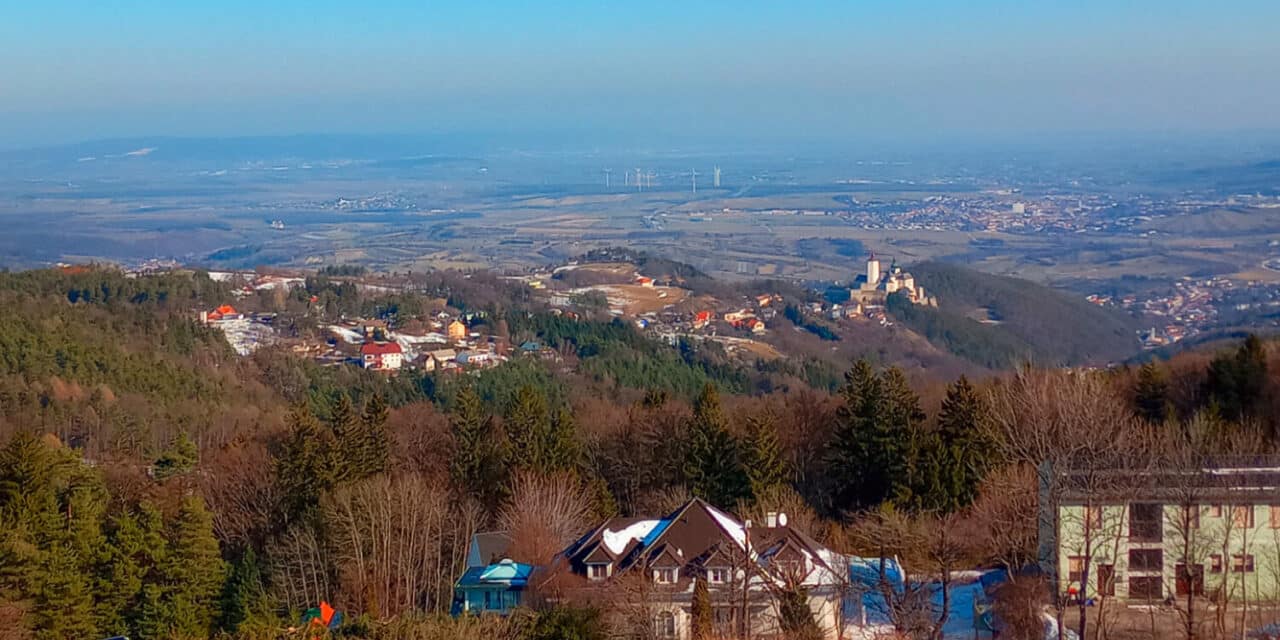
1029,321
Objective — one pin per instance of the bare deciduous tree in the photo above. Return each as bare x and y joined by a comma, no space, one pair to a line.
543,515
1076,432
398,543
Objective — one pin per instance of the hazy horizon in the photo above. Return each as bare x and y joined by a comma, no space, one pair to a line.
809,71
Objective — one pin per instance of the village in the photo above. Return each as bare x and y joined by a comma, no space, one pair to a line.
451,340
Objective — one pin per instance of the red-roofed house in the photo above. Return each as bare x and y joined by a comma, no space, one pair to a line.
701,319
382,356
224,312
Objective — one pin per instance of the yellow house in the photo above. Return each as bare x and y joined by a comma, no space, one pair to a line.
457,331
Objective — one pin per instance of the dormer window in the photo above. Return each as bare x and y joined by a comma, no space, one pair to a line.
718,575
664,576
597,571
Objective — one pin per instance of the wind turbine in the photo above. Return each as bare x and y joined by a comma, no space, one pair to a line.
607,173
695,181
639,180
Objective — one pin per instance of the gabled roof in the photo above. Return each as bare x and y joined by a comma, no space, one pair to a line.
487,547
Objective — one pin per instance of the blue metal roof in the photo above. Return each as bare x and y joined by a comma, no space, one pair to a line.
498,574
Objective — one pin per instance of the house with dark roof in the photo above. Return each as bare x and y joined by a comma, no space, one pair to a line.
646,571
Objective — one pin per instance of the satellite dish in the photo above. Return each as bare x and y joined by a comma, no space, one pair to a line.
782,519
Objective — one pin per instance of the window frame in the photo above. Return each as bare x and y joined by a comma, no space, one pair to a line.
593,566
660,575
1249,516
1246,565
713,572
666,624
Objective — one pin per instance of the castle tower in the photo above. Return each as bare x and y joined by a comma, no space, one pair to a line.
873,271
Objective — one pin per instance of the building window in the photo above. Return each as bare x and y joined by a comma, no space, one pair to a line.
1146,522
666,624
1242,516
1075,569
1242,563
1146,588
664,576
1215,563
1190,580
1107,579
1146,559
1275,516
718,575
1192,517
1093,517
597,571
1215,511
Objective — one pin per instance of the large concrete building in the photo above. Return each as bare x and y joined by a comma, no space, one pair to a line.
1210,532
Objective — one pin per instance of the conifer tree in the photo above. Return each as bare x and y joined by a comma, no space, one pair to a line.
560,451
63,606
1236,381
374,443
854,454
135,547
762,456
305,468
713,465
183,601
243,593
528,425
467,425
345,425
479,463
1151,394
181,457
961,453
701,623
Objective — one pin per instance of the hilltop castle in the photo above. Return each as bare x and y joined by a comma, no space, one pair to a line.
875,286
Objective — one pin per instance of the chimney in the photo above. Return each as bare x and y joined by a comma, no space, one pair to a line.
771,519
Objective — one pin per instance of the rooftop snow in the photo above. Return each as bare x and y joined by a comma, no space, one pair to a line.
730,526
617,541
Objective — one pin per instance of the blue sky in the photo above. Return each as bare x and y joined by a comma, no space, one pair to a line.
78,70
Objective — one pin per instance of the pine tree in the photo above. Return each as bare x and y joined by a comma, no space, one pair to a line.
63,606
345,425
762,456
713,465
182,602
856,479
1236,381
961,453
900,443
480,452
528,425
467,424
243,593
701,623
135,547
182,456
560,451
305,468
372,446
1151,394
